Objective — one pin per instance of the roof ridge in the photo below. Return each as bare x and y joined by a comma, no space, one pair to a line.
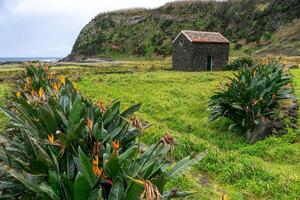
223,37
201,31
203,36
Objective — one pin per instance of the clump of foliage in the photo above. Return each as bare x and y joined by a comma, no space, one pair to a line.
252,95
240,63
59,145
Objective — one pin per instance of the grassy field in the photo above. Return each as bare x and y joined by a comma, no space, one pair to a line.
176,102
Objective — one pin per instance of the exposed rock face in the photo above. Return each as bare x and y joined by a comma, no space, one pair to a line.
276,126
279,125
261,131
143,32
130,20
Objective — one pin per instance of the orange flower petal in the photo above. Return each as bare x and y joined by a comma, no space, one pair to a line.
18,94
116,144
63,80
51,138
101,105
90,124
41,92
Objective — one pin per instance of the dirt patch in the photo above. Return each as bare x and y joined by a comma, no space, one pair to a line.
204,180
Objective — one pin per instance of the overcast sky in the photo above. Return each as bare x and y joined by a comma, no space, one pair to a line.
31,28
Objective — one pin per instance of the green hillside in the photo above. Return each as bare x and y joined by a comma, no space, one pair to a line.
253,26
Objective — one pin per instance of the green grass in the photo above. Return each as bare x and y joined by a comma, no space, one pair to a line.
4,90
176,102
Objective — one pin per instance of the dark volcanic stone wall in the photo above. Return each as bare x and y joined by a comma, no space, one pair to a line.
201,51
188,56
181,56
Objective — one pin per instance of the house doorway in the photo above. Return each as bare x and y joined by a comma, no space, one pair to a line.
209,64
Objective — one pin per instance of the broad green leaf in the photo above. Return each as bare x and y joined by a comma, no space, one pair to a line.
96,194
114,110
86,165
68,185
48,190
131,110
117,190
97,132
127,154
176,194
82,187
113,166
29,181
184,164
237,106
54,181
75,112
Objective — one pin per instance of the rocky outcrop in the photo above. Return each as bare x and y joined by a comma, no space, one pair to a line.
277,125
148,32
261,131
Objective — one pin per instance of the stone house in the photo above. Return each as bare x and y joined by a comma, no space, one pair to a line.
200,51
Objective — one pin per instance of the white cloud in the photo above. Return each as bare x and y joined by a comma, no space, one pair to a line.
72,7
50,27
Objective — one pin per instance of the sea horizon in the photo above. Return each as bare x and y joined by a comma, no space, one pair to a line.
28,59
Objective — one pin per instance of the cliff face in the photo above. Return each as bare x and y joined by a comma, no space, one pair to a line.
142,32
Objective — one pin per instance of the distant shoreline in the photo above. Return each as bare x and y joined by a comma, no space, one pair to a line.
28,59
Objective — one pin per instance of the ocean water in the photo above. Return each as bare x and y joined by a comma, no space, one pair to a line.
27,59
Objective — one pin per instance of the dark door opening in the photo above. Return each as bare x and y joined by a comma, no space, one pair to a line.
209,63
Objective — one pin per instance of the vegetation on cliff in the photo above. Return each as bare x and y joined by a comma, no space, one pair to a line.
251,26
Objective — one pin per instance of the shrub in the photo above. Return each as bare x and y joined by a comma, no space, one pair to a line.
252,95
240,63
59,145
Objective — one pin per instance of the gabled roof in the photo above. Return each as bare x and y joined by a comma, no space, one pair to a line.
203,37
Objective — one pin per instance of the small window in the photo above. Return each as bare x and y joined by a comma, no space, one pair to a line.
181,42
